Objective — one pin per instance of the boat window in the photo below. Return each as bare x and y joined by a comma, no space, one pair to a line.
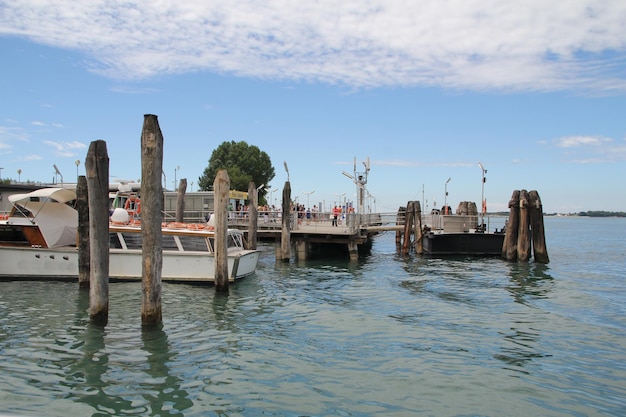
234,241
133,240
114,241
193,243
169,243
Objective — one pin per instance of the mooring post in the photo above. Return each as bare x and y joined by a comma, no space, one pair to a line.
180,200
151,218
419,244
285,236
540,250
509,248
400,220
408,226
97,172
221,187
82,206
253,206
523,234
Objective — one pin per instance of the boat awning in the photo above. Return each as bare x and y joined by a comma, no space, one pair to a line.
62,195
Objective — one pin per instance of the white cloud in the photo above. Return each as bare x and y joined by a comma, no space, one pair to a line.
66,149
528,45
577,141
592,149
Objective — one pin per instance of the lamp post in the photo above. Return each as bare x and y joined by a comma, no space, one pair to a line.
308,205
175,171
19,175
77,162
445,198
483,203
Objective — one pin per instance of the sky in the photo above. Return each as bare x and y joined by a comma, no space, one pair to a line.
424,90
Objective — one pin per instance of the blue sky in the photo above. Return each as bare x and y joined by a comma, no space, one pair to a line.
426,90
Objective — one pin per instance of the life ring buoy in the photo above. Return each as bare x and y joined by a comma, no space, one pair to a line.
4,217
484,206
133,205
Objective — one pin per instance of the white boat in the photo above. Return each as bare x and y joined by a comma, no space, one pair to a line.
38,241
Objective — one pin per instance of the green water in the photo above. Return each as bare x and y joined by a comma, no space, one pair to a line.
388,335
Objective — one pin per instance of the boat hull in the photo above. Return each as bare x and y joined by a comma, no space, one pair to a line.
474,244
62,263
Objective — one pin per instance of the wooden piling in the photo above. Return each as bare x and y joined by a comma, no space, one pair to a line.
97,172
180,200
540,251
221,187
523,230
285,243
509,248
253,208
400,220
419,234
408,226
151,218
82,206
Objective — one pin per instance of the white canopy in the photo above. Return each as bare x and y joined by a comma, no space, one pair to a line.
62,195
57,221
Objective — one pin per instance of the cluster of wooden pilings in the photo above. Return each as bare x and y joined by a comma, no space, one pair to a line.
93,226
525,228
411,217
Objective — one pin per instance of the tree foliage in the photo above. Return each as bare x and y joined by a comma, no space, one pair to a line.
244,164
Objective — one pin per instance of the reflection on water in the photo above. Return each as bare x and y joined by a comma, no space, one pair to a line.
387,335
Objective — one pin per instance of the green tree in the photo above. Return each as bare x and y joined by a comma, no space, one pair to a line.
244,163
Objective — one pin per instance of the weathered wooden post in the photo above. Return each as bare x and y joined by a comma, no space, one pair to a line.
221,187
97,172
82,206
523,234
253,207
151,217
408,226
400,220
536,221
509,248
180,200
285,236
419,244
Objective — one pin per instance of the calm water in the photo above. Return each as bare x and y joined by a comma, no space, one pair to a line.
388,335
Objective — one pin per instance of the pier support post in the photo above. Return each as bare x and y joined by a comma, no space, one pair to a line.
180,200
82,206
285,243
353,250
253,208
221,185
97,172
540,251
302,249
152,207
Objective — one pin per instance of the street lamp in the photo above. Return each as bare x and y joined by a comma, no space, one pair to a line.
445,198
77,162
19,175
308,205
483,203
57,172
176,170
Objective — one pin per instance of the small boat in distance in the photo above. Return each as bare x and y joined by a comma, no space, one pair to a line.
38,241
